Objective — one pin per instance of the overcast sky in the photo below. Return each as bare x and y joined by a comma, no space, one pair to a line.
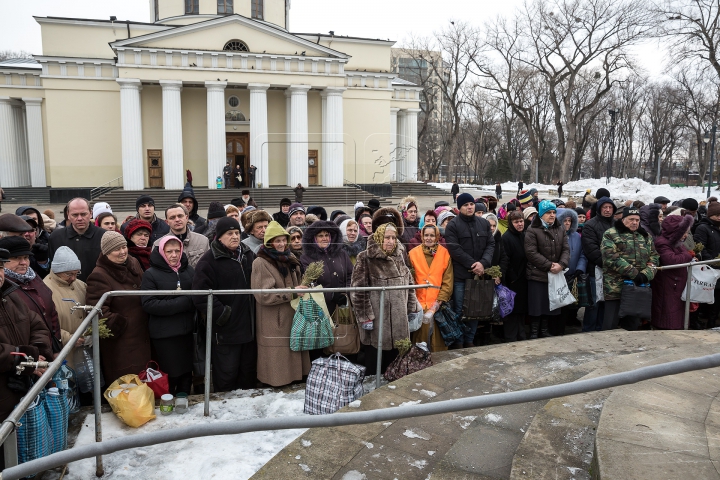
393,19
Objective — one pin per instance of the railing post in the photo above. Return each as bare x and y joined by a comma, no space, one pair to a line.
10,449
99,469
688,287
378,365
208,349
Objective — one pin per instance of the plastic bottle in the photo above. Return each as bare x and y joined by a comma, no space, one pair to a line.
65,381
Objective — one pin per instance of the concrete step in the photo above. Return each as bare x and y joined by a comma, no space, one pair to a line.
405,189
29,195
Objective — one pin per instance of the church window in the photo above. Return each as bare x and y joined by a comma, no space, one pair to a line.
233,101
236,46
258,9
225,7
192,7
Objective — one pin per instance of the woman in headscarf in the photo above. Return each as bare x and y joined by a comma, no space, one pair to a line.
431,265
515,277
276,267
411,219
383,264
295,242
171,318
354,242
137,234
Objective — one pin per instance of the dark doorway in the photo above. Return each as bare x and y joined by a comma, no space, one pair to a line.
237,153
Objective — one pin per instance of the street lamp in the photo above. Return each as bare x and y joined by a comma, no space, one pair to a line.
612,114
706,139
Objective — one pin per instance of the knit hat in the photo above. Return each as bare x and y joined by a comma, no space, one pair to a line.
274,230
627,211
65,260
374,204
713,208
690,204
528,211
532,191
285,201
135,225
17,246
464,198
296,207
224,225
215,210
525,197
602,192
339,219
110,241
481,207
580,211
545,206
238,202
142,199
444,215
101,207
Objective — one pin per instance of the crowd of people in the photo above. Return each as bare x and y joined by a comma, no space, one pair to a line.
241,246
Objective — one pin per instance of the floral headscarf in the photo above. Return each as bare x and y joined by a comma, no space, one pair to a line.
379,236
430,250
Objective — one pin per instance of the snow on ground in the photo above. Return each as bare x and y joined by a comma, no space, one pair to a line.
620,189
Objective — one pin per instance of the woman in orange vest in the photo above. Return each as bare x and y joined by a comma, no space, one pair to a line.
431,264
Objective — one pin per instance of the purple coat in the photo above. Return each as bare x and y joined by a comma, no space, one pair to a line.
668,311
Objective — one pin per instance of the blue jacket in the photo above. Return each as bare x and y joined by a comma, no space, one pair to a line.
578,261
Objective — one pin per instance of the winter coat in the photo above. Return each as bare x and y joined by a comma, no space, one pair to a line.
299,194
708,234
18,326
649,219
500,258
337,271
376,269
160,228
277,365
39,298
545,246
578,262
69,320
218,270
128,350
409,232
515,277
625,255
668,311
194,246
168,316
455,189
199,223
282,218
593,231
468,239
353,249
85,246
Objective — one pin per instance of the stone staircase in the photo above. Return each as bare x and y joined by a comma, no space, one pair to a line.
659,429
27,195
400,190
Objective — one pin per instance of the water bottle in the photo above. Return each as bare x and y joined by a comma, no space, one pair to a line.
65,381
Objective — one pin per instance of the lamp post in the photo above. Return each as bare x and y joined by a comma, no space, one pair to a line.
706,139
612,144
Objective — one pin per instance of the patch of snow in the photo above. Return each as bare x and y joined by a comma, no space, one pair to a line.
428,393
355,403
368,444
574,470
297,457
387,424
411,402
304,467
392,387
354,475
464,421
431,452
494,418
411,434
419,464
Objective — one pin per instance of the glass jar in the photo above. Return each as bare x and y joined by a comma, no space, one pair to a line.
181,403
166,404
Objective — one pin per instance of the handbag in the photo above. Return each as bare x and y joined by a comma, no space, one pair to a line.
332,383
558,291
506,300
449,324
414,360
156,379
582,290
635,301
345,331
702,285
478,299
311,328
34,435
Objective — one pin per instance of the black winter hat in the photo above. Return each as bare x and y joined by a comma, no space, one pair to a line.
661,199
318,211
216,210
602,192
374,204
283,202
226,224
143,199
17,246
690,204
237,202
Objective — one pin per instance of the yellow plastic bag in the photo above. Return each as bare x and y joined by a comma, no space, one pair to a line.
131,400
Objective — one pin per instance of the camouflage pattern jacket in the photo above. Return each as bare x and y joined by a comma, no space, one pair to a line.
625,254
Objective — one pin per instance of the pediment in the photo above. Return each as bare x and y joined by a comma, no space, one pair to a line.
212,35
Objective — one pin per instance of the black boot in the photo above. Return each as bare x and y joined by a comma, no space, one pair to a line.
534,329
544,328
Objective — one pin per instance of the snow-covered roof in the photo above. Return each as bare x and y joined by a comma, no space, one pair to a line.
21,63
400,81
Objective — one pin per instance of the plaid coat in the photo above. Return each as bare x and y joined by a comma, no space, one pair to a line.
625,254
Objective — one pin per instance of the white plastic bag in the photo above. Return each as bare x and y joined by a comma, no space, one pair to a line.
558,291
599,292
702,285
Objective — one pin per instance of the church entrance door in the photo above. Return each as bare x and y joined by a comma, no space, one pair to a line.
237,153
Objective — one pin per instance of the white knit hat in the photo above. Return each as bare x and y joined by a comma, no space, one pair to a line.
359,205
65,260
101,207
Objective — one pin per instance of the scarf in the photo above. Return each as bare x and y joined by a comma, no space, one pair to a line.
379,236
161,248
282,259
545,224
430,250
23,278
141,254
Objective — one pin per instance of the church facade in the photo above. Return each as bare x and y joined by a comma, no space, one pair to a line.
203,83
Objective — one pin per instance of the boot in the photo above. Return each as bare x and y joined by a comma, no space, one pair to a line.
544,328
534,329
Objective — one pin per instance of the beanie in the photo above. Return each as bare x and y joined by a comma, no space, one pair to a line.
545,206
17,246
215,210
101,207
480,207
627,211
444,215
525,197
285,201
237,202
690,204
528,211
296,207
464,198
142,199
110,241
713,209
602,192
580,211
374,204
224,225
65,260
135,225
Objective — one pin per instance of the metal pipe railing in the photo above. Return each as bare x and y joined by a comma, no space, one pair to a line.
371,416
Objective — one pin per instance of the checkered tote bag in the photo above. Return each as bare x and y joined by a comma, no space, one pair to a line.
58,411
34,435
311,328
333,382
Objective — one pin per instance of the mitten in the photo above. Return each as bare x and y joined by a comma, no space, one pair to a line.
225,316
641,279
40,252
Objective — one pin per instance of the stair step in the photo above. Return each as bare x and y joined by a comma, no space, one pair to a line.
29,195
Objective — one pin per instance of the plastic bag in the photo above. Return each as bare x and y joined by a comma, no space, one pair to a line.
558,291
415,320
599,292
84,370
131,400
506,300
702,285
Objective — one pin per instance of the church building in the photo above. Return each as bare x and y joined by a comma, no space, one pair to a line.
202,83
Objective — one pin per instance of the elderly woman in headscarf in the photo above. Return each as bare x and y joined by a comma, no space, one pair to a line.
354,242
295,240
383,264
431,265
651,217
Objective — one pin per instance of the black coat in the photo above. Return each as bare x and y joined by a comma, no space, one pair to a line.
500,257
468,239
200,222
337,272
455,188
169,316
709,235
85,246
592,234
218,270
282,218
515,277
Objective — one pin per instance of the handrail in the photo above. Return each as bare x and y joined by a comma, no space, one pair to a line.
689,264
370,416
105,185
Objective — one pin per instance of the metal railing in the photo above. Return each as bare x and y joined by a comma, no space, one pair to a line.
106,187
8,429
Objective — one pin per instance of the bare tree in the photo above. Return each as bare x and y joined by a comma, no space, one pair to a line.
8,54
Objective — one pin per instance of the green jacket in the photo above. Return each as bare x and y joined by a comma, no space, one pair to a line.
625,254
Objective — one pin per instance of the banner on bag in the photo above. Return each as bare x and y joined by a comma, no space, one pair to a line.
703,283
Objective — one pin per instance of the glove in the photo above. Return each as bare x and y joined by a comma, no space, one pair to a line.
640,279
224,317
40,252
339,299
367,325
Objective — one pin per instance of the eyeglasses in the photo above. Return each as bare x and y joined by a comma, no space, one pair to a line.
68,274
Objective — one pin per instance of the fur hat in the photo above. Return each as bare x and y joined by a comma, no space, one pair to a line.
388,215
110,241
254,217
713,209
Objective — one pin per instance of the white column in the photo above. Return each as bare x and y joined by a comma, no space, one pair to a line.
8,155
333,158
402,154
35,141
259,133
216,154
133,169
173,165
288,138
298,163
23,169
412,144
391,169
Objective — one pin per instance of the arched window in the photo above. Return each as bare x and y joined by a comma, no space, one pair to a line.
236,46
